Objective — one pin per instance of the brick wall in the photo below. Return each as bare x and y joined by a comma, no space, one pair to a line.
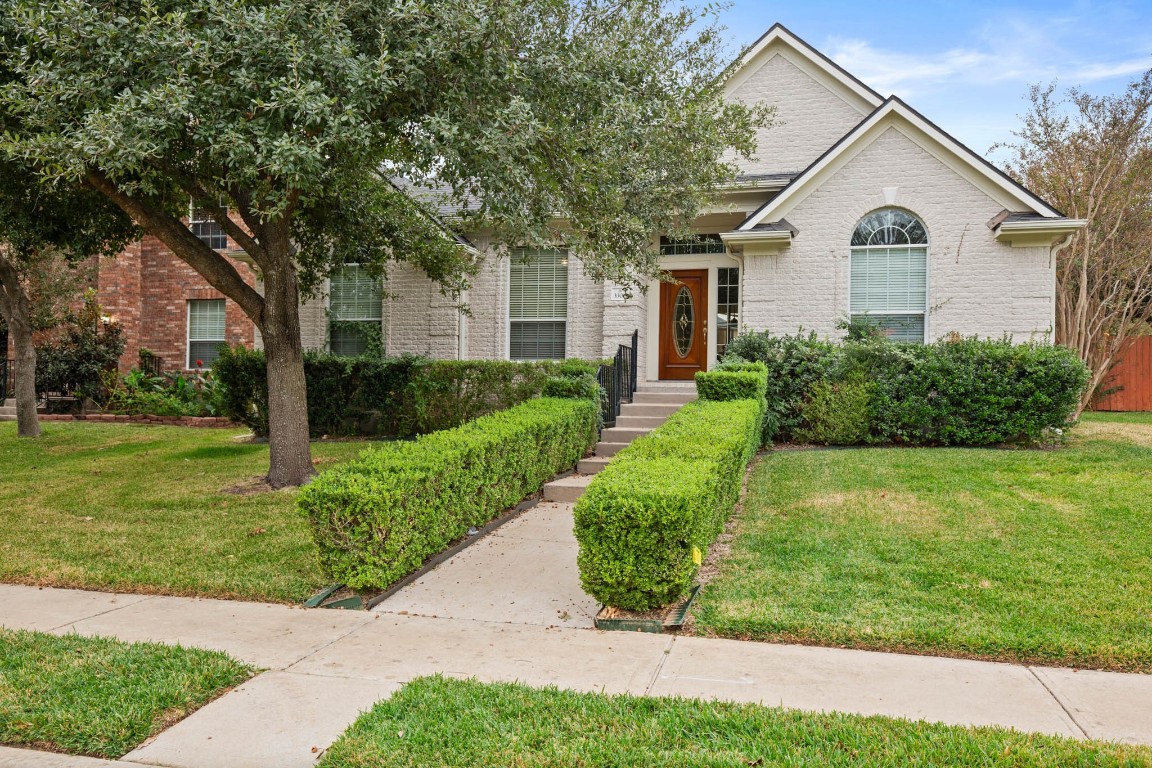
976,285
810,117
147,289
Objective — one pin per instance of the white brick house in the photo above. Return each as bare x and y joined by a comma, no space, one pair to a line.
855,205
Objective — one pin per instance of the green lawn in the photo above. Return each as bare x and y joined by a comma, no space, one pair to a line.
95,696
1036,556
441,722
146,509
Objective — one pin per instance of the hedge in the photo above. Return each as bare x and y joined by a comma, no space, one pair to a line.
957,391
382,515
733,381
647,519
398,396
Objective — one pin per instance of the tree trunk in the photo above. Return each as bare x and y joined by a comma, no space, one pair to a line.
14,303
291,456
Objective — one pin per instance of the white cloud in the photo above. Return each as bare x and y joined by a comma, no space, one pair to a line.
996,61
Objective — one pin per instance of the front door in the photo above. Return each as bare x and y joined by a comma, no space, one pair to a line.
684,324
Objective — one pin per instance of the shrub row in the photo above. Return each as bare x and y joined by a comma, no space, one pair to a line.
957,391
382,515
399,396
649,517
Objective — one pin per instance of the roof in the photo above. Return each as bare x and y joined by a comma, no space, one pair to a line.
994,181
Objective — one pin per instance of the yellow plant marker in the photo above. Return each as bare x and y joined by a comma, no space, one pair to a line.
697,557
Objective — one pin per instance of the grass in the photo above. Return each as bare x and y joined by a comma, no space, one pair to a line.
441,722
101,697
1029,556
139,508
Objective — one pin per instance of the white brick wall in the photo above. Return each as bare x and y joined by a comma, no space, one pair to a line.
811,117
417,318
976,285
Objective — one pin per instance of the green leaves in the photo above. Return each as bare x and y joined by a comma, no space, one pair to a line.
380,517
605,116
667,493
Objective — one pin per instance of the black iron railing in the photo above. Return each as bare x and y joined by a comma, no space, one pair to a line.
618,380
151,365
7,378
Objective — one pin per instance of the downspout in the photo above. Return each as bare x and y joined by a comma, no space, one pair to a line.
1053,252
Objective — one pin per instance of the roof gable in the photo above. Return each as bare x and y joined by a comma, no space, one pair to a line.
895,113
780,41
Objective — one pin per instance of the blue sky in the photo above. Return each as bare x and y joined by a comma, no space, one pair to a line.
966,65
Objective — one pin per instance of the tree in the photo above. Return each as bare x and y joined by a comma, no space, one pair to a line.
45,228
603,114
1091,157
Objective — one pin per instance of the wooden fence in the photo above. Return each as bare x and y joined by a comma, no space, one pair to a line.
1133,376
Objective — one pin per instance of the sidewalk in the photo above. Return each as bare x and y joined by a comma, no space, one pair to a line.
510,608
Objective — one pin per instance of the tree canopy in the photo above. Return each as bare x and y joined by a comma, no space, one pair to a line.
1091,157
595,123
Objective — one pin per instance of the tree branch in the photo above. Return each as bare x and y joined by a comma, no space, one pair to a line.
215,268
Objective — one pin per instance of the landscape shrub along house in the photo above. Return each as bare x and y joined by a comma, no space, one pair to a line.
856,205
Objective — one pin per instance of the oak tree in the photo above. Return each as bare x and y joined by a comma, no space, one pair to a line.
597,123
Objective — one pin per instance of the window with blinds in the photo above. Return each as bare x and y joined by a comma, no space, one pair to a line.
889,275
207,229
355,310
538,304
205,331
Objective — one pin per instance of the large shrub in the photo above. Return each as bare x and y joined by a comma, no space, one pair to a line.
973,392
794,363
381,516
648,518
76,362
957,391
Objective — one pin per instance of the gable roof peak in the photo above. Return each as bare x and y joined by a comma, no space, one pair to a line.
778,33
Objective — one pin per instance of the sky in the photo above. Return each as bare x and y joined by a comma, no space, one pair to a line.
967,66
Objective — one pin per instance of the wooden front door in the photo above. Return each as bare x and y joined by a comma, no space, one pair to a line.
684,324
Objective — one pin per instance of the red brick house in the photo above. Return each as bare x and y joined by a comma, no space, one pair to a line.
167,308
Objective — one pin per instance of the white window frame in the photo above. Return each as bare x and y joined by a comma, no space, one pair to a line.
206,219
566,262
188,359
927,248
331,313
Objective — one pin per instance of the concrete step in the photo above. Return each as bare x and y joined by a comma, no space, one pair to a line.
592,465
640,422
606,450
7,410
663,398
666,386
649,409
6,417
566,489
10,402
623,434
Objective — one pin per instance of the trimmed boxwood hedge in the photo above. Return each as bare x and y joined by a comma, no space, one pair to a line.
663,499
379,517
397,396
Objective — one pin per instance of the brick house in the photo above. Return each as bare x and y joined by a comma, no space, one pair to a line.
856,205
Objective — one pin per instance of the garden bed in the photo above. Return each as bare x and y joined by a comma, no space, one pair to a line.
216,422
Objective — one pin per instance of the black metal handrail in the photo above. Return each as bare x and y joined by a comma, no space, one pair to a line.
618,380
7,378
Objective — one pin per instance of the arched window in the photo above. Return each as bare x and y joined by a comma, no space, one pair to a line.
890,273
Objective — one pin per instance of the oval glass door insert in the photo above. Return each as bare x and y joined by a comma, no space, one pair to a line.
683,321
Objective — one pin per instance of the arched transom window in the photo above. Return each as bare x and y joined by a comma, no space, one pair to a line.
890,273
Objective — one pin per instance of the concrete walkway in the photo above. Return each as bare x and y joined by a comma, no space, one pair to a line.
325,667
